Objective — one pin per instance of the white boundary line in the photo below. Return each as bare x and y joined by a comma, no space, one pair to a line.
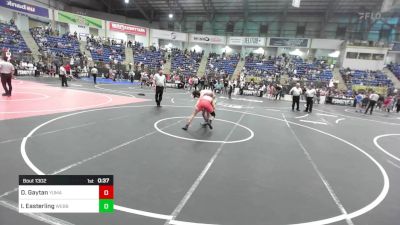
382,149
205,141
275,110
203,173
314,122
393,164
328,115
321,176
359,212
142,213
353,117
338,120
299,117
376,112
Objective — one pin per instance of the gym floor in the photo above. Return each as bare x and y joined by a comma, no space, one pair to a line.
262,163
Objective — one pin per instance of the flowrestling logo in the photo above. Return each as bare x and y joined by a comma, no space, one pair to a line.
25,8
130,29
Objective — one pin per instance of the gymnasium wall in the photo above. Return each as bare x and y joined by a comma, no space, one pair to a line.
314,26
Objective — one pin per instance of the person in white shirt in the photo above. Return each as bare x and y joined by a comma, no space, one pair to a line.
63,75
159,80
310,93
373,98
296,92
94,73
144,78
7,71
262,90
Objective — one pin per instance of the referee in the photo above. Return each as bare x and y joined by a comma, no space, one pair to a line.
296,92
160,81
6,71
310,93
63,75
94,73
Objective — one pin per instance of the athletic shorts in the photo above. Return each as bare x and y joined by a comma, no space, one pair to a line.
204,105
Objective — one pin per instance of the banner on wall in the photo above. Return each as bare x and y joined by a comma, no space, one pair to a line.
168,35
25,8
395,46
247,41
289,42
210,39
126,28
72,18
378,90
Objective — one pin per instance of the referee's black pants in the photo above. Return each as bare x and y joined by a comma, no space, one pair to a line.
310,102
64,80
6,80
296,100
159,94
94,78
371,106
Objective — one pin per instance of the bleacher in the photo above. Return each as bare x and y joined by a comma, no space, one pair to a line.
324,76
103,53
151,58
259,67
316,71
225,64
65,45
10,38
367,78
395,70
187,64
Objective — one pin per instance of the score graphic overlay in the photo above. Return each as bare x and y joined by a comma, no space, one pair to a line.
66,194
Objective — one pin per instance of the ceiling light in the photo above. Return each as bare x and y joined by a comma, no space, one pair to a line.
334,54
227,49
296,52
126,1
296,3
171,15
196,48
259,51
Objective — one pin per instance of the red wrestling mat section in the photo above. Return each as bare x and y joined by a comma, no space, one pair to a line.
35,99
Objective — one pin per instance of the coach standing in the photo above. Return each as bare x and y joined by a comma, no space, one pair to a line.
373,98
6,71
296,92
160,81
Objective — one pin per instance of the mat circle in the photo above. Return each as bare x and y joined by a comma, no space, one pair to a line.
201,140
358,212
